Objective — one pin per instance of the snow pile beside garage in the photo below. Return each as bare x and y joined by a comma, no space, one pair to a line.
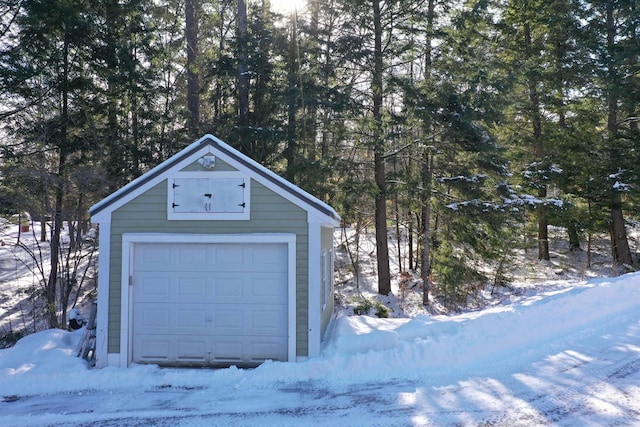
363,348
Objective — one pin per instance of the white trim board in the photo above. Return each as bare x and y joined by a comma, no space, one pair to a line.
313,302
102,316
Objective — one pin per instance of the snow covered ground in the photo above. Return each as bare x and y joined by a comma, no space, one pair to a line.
568,358
565,352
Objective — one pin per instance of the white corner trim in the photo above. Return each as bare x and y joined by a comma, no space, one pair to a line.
113,359
291,299
102,316
126,310
314,302
130,239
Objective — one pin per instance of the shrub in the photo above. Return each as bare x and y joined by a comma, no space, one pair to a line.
366,306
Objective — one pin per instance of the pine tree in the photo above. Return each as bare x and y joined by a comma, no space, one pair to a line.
47,59
192,8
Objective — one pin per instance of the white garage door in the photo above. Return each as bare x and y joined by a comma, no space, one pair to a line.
209,304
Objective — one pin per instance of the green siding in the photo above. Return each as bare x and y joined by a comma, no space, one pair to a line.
270,213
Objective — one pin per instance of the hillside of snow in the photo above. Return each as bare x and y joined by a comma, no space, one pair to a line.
556,351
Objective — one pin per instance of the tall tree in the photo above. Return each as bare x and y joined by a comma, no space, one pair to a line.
461,175
167,87
243,78
619,242
293,99
193,84
525,32
48,57
427,161
382,236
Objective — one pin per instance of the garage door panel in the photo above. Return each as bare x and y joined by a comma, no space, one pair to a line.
195,319
195,287
152,286
227,320
255,350
266,321
150,316
228,257
152,257
190,256
266,255
192,319
265,349
165,350
227,350
266,287
191,350
151,348
210,304
227,288
163,287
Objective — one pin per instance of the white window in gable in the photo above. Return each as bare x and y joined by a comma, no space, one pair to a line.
208,196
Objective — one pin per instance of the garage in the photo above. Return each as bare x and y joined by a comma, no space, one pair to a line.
209,304
210,259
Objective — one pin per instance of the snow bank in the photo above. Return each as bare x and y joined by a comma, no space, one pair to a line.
360,349
465,342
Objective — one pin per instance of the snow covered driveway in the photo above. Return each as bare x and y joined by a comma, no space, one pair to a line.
567,359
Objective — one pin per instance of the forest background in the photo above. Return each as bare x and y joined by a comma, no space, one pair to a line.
465,129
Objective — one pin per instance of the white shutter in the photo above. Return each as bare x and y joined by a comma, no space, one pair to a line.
217,195
188,194
228,194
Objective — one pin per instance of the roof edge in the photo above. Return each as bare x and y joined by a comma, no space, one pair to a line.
234,154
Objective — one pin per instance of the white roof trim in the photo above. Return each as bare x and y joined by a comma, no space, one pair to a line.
101,211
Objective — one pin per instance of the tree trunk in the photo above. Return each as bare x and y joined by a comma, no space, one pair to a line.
43,229
427,173
382,244
574,238
410,240
311,128
543,229
46,208
292,99
52,282
619,242
539,152
425,219
135,134
193,90
396,206
116,155
561,10
243,80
